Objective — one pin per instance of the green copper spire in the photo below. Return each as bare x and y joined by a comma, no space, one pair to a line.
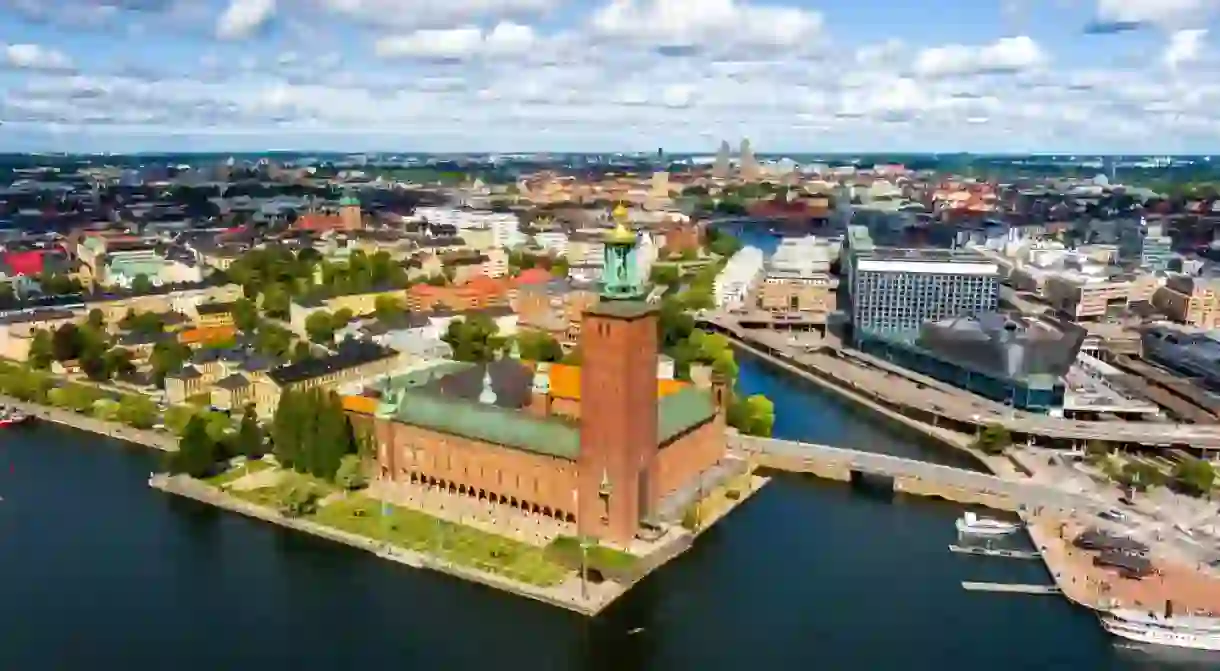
620,268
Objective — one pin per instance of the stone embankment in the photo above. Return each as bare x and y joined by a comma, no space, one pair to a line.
565,595
156,440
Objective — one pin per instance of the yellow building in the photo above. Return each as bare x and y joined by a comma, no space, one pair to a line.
214,314
354,362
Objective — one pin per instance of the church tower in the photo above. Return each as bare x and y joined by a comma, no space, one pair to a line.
618,397
351,217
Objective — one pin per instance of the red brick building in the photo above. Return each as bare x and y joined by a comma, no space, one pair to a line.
605,460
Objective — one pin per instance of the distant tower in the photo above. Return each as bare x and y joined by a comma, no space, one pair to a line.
350,214
749,165
618,392
720,169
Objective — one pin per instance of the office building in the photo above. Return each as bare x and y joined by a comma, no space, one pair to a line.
894,291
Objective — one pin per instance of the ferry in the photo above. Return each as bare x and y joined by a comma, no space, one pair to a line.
11,416
1180,631
972,524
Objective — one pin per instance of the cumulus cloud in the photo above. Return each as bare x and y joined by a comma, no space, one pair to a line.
1185,46
1010,54
432,13
1174,13
243,17
35,57
705,23
599,75
505,39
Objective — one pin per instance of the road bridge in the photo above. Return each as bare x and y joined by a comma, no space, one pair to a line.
910,476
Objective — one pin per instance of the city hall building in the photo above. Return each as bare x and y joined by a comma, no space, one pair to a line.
601,446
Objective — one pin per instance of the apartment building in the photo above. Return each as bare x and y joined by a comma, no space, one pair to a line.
1189,300
1081,296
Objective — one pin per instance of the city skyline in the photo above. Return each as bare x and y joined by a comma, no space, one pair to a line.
1114,76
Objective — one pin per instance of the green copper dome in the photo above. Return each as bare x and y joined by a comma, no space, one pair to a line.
348,200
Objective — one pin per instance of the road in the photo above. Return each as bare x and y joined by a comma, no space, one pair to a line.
903,387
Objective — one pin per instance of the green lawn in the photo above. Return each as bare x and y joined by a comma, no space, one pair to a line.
453,542
402,527
567,550
237,472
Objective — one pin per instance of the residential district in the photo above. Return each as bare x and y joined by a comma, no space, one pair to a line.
523,369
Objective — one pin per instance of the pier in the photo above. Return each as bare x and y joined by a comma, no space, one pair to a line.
1010,588
993,552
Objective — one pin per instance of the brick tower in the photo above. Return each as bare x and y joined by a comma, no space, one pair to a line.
618,398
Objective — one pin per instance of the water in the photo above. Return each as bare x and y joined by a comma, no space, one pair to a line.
99,571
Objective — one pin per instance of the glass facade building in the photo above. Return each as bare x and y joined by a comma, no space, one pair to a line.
1147,245
895,291
1012,361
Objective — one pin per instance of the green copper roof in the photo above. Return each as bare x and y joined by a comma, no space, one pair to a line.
349,200
405,402
681,411
490,423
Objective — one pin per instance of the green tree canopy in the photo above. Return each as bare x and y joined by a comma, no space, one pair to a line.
197,453
993,439
1194,476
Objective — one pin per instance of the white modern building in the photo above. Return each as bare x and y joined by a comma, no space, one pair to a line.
733,283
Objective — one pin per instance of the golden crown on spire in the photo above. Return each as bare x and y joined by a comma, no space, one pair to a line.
620,234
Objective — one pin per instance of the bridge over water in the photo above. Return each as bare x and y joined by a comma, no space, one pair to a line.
907,475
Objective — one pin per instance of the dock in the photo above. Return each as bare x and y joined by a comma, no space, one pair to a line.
992,552
1011,588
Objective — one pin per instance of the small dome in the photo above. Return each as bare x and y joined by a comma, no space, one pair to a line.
620,235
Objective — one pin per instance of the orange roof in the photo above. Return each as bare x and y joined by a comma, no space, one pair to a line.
360,404
207,334
534,276
565,383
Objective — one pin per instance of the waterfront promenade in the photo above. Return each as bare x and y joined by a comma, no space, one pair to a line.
1052,521
166,442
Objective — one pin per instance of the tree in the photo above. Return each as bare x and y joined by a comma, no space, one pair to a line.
245,315
351,475
167,356
1140,475
1194,476
1097,450
196,454
249,441
42,352
97,319
473,338
664,275
286,428
137,411
753,415
65,343
993,439
117,362
296,500
141,285
537,346
320,327
387,307
300,352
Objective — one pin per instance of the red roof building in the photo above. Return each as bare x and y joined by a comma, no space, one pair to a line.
28,263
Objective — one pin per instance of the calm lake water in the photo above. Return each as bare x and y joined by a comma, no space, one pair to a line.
99,571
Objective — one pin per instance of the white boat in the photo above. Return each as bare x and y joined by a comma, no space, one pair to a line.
1180,631
970,523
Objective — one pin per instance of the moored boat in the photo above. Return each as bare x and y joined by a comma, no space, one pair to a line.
1194,632
971,523
11,416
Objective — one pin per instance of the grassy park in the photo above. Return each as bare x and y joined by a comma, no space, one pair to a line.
361,515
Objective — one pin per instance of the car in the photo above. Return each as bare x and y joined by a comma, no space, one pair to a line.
1112,515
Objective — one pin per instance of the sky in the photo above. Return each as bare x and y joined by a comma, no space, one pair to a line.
794,76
